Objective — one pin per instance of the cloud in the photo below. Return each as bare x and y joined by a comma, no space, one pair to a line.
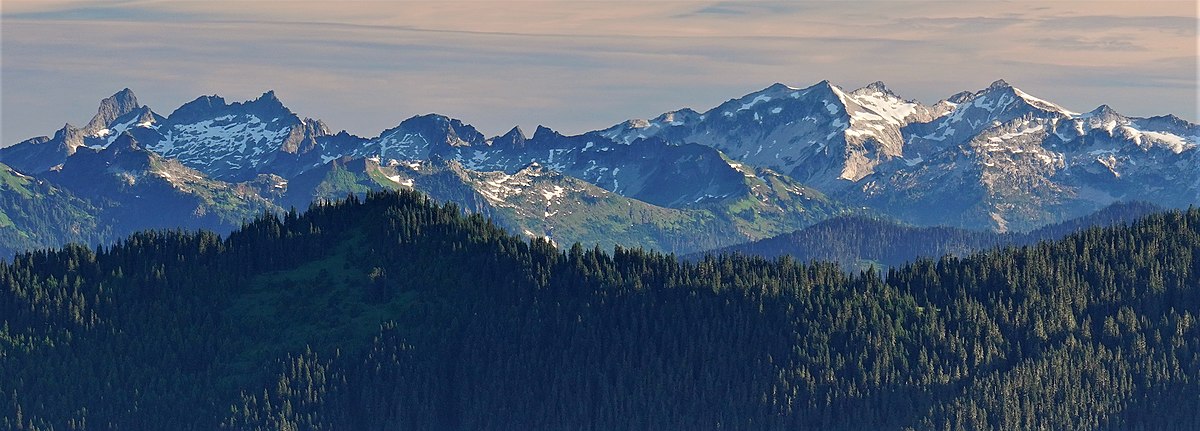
100,13
727,9
974,24
1089,44
574,66
1180,25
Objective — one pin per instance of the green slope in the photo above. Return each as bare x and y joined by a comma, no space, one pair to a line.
538,202
35,214
392,313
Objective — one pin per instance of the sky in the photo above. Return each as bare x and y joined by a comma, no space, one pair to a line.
574,66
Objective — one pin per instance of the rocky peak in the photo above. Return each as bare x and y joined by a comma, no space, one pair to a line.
144,114
1003,102
40,154
124,142
754,100
877,86
534,168
636,123
825,90
138,117
111,108
424,123
543,133
996,91
515,138
439,130
685,115
302,138
961,97
67,130
201,107
318,127
69,138
776,88
1170,121
268,106
1103,111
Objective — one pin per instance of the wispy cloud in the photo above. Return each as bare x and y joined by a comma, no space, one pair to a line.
576,66
744,8
1089,44
1180,25
973,24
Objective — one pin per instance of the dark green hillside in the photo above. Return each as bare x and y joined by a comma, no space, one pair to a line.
394,313
35,214
861,242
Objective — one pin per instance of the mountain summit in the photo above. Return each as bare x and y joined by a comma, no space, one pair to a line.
112,107
995,158
766,163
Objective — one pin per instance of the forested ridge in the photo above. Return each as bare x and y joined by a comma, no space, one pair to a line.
391,312
859,241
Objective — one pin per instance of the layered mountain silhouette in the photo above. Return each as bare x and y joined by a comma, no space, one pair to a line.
765,164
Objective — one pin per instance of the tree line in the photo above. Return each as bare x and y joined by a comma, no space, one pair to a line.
392,312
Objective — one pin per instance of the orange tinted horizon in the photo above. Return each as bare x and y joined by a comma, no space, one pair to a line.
577,66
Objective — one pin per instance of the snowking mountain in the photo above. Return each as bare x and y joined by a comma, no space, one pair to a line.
768,163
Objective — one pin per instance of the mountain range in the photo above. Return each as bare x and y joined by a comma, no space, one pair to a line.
765,164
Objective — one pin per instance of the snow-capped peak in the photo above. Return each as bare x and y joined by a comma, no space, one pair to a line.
141,117
877,86
1042,104
676,118
1102,111
999,84
881,102
1000,96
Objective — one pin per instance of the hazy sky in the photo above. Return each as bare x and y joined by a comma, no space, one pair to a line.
577,65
